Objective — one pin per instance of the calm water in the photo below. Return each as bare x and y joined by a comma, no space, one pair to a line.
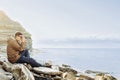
107,60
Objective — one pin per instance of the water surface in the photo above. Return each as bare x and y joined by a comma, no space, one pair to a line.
100,59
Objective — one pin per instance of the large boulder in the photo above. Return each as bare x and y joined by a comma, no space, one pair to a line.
19,71
45,70
9,27
5,75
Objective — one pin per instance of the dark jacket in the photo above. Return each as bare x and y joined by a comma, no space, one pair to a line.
13,49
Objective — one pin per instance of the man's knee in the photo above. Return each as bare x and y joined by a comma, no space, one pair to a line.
31,60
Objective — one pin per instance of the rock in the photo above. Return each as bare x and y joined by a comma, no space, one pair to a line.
104,77
3,59
67,69
67,66
41,77
84,77
101,75
68,76
7,66
1,63
55,67
9,27
95,72
5,75
20,72
57,78
28,66
48,64
45,70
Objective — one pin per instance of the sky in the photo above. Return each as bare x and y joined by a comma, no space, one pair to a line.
62,19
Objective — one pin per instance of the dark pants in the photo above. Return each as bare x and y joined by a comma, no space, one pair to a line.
25,58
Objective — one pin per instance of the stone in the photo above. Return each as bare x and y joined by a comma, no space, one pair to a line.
7,66
67,69
20,72
57,78
84,77
28,66
45,70
104,77
68,76
40,77
95,72
3,57
55,67
5,75
65,65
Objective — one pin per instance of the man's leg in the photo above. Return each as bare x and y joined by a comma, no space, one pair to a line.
25,53
28,60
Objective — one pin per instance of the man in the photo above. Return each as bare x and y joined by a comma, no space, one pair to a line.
17,53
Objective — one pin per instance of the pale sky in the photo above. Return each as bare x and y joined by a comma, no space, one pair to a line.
60,19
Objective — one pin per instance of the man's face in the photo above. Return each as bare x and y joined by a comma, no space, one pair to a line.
18,38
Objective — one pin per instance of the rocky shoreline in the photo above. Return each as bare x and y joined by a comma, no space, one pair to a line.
10,71
50,71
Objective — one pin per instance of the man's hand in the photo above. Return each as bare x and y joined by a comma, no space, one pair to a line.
23,39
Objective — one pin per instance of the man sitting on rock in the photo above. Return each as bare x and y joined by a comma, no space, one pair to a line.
17,53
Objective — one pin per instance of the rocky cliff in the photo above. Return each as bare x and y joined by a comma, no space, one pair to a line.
9,27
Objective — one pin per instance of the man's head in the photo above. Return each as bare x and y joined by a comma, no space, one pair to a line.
18,35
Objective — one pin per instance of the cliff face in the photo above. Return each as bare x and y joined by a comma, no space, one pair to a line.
9,27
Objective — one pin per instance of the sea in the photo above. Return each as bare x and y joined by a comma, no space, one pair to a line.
82,59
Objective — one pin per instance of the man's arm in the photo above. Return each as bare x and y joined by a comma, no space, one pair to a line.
16,46
23,41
